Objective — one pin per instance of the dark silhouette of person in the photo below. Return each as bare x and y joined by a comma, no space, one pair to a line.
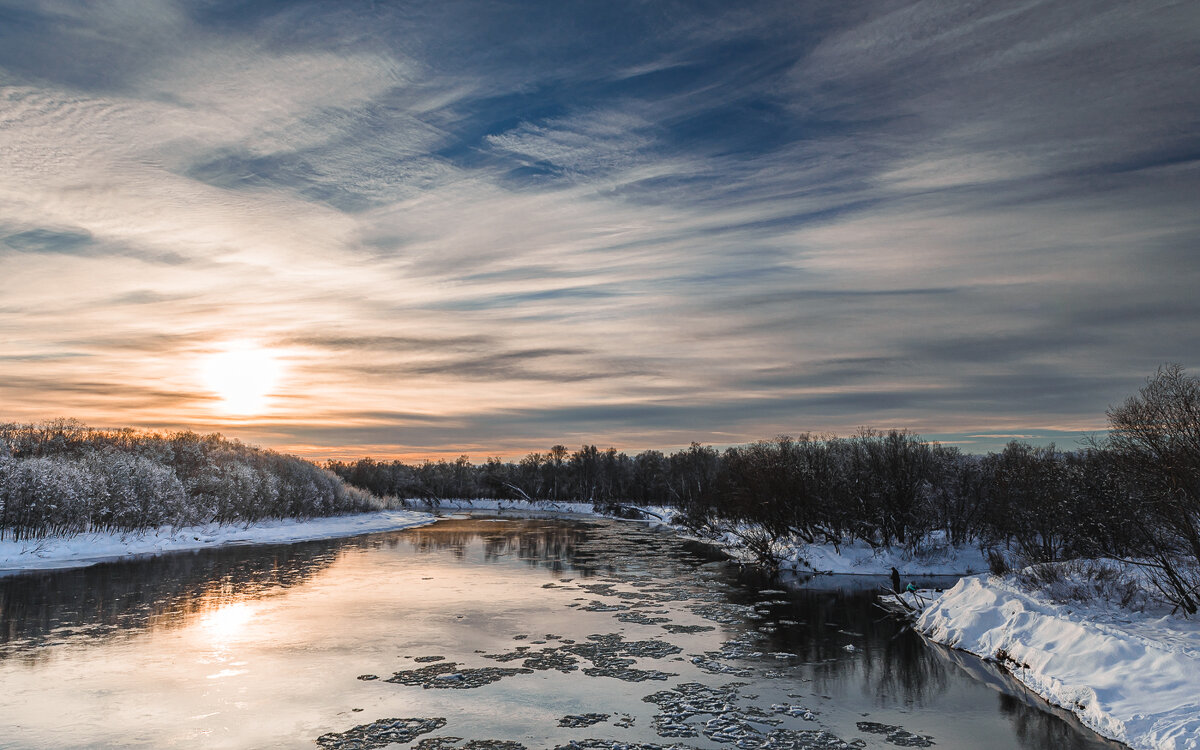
895,580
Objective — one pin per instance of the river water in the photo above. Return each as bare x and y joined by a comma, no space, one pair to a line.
486,634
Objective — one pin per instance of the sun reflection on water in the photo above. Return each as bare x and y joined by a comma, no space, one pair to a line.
226,623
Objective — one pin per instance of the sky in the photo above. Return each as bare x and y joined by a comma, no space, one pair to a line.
416,229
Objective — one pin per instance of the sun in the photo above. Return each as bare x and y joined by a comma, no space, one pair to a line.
243,375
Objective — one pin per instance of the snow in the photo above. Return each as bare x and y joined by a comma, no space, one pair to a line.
88,549
860,558
1133,677
935,557
83,550
490,504
658,515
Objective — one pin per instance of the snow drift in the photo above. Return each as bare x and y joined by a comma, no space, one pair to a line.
1131,678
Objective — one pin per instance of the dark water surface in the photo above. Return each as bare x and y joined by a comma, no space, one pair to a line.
539,632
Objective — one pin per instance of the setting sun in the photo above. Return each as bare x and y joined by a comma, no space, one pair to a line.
243,375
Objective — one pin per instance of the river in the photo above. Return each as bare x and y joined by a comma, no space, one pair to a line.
486,634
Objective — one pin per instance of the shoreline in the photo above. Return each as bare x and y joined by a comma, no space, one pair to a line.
1129,676
92,548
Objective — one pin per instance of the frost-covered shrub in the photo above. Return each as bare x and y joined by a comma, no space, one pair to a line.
140,492
1089,582
365,501
46,496
61,477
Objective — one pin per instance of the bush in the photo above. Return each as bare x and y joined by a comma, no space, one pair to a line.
1087,582
997,563
61,477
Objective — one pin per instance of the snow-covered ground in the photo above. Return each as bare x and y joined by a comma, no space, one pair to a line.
88,549
860,558
657,514
1134,677
935,558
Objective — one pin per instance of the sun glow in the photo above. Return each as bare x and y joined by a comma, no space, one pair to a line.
226,623
243,375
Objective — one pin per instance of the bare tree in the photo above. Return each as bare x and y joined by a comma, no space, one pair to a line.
1155,443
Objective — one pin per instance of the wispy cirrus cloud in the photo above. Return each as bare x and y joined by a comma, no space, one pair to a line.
634,224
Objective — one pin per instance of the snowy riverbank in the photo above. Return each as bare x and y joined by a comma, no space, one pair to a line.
853,557
935,557
656,515
1133,677
82,550
88,549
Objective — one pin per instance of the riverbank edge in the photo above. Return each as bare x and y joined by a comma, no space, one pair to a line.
84,550
1128,677
850,558
92,548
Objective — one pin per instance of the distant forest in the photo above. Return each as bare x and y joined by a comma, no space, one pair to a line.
1133,495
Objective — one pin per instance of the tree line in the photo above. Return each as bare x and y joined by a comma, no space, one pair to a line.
61,478
888,489
1134,494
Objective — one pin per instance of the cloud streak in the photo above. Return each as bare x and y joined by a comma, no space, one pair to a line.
473,228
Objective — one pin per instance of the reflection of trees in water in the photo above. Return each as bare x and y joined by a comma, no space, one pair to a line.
552,544
122,598
1040,729
896,666
161,592
1038,725
887,655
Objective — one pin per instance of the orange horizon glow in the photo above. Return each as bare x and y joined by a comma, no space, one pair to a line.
275,436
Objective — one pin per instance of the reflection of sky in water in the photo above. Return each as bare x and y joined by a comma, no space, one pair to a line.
258,647
118,600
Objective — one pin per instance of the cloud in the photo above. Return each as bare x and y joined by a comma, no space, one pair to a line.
649,225
587,143
83,244
47,241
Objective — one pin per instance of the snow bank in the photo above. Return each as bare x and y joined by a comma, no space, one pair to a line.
659,515
483,503
935,558
88,549
860,558
1133,678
